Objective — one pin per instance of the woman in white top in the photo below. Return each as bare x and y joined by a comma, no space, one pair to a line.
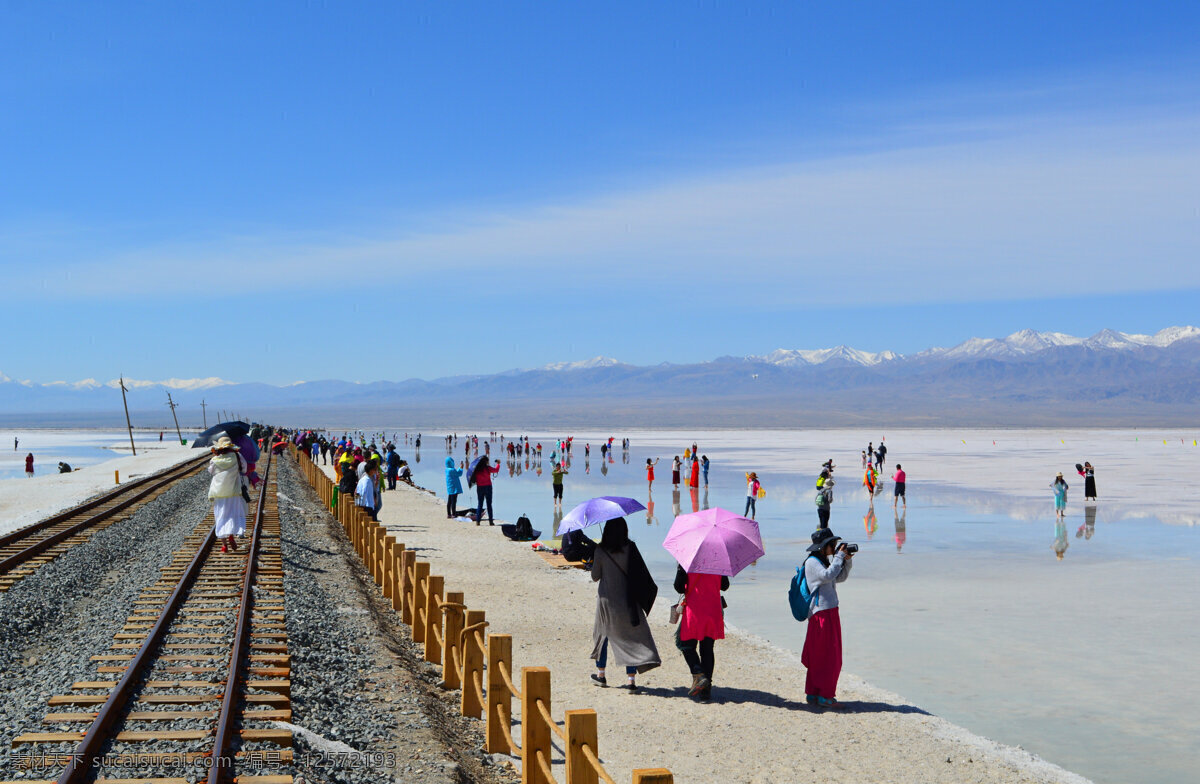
227,468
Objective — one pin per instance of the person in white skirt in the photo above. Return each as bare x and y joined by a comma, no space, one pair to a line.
227,468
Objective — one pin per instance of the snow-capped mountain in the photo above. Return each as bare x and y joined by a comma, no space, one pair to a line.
1028,341
785,357
594,362
1028,377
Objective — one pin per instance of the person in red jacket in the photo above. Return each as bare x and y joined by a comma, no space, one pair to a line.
483,488
29,464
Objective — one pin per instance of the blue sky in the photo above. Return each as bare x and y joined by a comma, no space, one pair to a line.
291,191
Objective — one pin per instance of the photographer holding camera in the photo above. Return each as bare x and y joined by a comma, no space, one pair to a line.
828,564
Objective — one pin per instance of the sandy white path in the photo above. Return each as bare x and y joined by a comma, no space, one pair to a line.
24,500
757,729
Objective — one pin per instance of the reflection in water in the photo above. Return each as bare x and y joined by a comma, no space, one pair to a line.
901,533
650,511
695,494
417,456
1089,522
706,497
1060,539
558,516
675,502
870,522
604,467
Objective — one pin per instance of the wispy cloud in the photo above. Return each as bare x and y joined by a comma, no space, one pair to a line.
1026,209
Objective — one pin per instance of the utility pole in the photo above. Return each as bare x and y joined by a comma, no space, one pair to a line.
127,423
204,412
171,404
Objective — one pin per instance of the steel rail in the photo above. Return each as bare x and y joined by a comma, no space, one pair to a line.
84,758
222,757
86,506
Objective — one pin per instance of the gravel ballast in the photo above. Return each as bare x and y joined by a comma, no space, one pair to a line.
53,621
361,692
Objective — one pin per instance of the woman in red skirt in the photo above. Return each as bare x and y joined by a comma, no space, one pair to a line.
828,565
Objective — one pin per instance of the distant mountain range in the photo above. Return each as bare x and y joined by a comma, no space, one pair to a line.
1026,378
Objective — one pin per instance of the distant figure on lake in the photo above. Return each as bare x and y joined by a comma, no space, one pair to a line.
1060,487
63,468
676,464
752,488
899,478
824,494
29,465
16,441
556,475
1089,480
704,468
694,477
650,473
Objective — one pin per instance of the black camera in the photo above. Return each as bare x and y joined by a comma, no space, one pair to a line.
850,548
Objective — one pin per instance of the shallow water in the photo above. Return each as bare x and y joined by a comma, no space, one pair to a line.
960,604
77,448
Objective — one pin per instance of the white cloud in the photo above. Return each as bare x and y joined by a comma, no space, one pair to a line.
1079,209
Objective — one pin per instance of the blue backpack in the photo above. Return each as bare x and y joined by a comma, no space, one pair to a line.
799,594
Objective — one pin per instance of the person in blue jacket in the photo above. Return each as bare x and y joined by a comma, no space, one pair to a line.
453,487
393,467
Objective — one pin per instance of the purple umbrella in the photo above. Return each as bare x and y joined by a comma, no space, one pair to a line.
715,541
598,510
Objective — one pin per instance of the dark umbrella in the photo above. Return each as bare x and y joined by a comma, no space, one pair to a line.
234,430
471,469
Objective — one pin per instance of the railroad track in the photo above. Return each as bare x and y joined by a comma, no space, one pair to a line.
193,682
24,551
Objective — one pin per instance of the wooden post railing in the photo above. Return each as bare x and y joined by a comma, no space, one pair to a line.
453,637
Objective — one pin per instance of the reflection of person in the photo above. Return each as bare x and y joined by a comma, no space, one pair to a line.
1089,481
624,595
828,564
694,492
702,623
901,532
870,521
675,508
1060,538
1060,487
227,469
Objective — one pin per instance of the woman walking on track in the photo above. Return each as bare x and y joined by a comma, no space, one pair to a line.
227,468
625,594
828,564
701,624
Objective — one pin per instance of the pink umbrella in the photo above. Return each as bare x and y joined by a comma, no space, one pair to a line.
714,541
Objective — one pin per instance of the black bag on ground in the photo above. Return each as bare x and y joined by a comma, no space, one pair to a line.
522,531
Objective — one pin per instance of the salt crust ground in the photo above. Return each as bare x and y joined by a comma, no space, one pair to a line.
757,730
26,500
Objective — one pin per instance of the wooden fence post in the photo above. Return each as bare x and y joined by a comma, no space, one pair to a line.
389,551
408,563
433,618
499,698
535,735
581,731
420,583
397,578
454,627
378,536
472,700
653,776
